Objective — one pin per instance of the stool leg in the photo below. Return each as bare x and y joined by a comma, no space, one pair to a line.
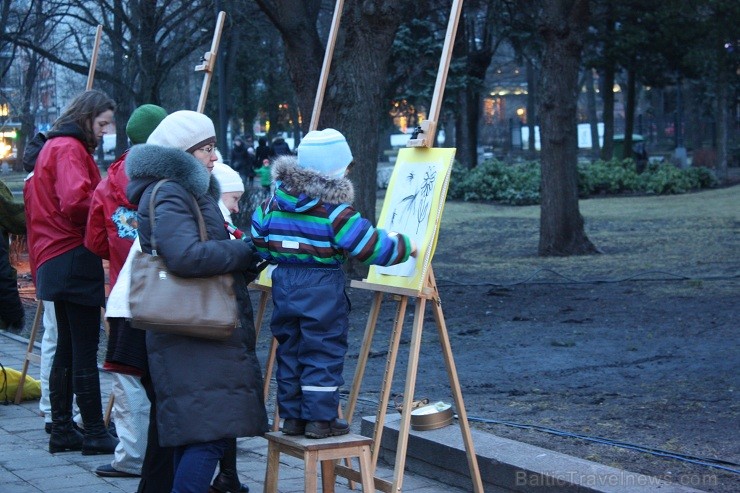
310,460
328,477
273,463
368,485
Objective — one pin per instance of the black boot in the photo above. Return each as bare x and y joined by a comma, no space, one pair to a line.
227,480
64,436
87,389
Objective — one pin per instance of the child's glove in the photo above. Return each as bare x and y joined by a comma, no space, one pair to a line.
258,264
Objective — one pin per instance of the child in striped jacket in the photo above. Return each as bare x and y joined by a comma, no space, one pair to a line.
308,227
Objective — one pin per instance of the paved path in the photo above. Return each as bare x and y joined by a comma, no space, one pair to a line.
26,465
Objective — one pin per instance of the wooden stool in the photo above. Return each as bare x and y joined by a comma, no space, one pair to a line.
325,450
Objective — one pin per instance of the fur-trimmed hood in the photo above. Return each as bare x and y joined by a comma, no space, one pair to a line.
147,163
306,183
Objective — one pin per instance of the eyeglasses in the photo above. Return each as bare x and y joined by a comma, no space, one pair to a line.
209,149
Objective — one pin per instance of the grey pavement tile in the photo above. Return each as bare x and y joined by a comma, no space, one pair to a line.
94,489
17,487
72,477
40,459
32,473
123,484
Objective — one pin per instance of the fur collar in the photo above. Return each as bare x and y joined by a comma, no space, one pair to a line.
146,163
297,181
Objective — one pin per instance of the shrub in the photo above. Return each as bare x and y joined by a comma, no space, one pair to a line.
519,184
493,180
665,178
612,177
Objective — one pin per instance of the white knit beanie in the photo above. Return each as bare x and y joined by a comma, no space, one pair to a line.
229,179
325,151
185,130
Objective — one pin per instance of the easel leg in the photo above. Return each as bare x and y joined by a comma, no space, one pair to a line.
268,374
408,395
261,308
372,321
390,368
444,340
29,351
109,409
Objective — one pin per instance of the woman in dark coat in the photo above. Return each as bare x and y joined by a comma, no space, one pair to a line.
207,392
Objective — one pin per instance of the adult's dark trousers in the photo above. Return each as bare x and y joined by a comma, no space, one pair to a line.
157,470
78,328
195,464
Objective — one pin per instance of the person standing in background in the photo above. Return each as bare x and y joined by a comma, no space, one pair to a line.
12,221
242,161
57,199
232,189
263,150
280,148
111,230
265,174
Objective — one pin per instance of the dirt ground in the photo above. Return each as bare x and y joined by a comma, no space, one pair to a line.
601,357
647,356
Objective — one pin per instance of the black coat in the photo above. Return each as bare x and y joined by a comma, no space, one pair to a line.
205,390
241,160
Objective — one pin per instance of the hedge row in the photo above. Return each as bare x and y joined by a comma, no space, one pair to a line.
519,184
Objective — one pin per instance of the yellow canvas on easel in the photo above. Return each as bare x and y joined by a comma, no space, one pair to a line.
265,277
413,206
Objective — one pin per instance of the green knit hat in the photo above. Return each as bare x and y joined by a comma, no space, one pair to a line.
143,121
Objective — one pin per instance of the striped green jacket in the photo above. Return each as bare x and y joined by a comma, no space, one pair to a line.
309,220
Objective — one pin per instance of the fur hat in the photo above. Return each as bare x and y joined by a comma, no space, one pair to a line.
143,121
325,151
229,179
185,130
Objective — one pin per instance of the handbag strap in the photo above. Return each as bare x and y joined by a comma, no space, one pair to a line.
201,223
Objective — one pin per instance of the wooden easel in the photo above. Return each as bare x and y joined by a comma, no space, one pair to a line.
30,355
428,293
423,137
209,61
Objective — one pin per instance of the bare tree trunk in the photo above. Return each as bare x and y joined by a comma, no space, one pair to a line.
593,119
472,115
722,125
29,101
607,150
607,93
563,25
304,51
464,152
361,60
629,115
531,107
353,100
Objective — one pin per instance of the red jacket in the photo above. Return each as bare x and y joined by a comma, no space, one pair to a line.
112,222
57,198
